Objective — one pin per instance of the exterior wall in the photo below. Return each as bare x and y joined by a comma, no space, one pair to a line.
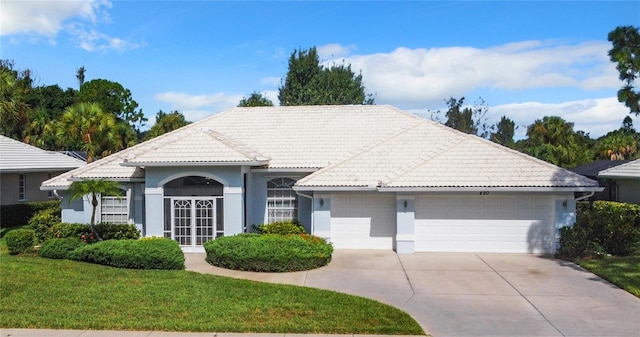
10,187
629,191
257,199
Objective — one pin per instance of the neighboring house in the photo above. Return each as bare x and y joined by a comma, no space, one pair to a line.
591,171
24,167
627,180
363,177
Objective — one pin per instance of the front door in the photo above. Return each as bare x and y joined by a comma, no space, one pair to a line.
195,221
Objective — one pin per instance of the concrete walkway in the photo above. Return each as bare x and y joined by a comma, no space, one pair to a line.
472,294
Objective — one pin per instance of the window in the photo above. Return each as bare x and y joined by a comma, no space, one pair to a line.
114,209
22,186
282,201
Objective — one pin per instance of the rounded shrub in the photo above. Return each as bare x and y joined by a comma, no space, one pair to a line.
269,253
59,248
106,231
42,221
146,253
281,227
20,241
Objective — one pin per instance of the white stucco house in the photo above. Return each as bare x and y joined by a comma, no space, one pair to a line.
363,177
626,177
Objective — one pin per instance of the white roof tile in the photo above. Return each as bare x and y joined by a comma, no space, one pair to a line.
17,156
628,170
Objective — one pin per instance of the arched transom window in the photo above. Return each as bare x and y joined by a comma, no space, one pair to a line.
282,200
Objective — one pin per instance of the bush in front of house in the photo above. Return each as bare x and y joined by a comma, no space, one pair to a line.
59,248
20,241
281,227
105,230
42,221
109,231
19,214
602,227
145,253
269,252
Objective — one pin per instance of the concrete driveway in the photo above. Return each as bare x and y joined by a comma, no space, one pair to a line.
473,294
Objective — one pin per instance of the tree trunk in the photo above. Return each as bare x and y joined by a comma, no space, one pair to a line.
94,204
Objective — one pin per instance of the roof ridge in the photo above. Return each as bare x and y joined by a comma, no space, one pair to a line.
240,147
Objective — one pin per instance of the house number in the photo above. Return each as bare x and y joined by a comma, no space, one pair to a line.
484,193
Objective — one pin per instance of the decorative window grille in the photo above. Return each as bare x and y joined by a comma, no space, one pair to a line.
22,186
114,209
282,200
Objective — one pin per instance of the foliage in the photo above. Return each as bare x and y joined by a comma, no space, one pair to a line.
59,248
109,231
14,85
105,231
281,227
621,271
71,295
619,144
468,120
93,189
269,253
505,130
47,103
19,214
166,122
42,221
625,52
309,83
20,241
255,99
552,139
155,253
602,227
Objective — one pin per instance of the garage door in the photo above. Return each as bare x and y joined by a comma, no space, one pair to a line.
484,223
363,221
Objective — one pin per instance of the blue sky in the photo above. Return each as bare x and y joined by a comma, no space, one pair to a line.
525,59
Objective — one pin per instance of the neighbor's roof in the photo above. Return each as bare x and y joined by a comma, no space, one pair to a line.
349,146
431,156
628,170
17,156
593,168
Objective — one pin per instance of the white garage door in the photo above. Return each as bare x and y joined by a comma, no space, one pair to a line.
363,221
484,223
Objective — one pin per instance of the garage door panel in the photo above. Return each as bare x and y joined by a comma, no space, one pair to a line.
363,221
515,224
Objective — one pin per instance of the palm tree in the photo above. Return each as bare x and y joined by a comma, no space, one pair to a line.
87,124
94,189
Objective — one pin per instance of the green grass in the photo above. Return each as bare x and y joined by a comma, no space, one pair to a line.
621,271
61,294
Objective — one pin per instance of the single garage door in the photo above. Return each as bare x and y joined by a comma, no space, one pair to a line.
363,221
484,223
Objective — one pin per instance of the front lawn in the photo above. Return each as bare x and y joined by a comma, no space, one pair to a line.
621,271
61,294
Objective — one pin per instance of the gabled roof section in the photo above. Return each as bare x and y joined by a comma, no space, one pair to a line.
432,156
593,168
16,156
629,170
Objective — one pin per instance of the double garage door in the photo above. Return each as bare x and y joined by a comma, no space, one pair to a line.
472,223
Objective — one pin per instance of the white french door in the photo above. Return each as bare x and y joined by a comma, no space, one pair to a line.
195,221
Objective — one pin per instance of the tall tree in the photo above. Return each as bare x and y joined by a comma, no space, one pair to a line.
309,83
80,76
505,130
14,110
255,99
552,139
166,122
93,190
626,53
86,127
468,120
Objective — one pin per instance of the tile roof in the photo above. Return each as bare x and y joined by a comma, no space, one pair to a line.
593,168
429,155
628,170
17,156
351,146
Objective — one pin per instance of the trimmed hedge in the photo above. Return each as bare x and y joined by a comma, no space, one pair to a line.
105,230
42,221
19,214
20,241
59,248
146,253
602,227
269,252
281,227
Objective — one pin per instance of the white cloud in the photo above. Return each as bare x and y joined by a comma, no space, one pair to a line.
196,107
272,81
421,77
334,50
33,19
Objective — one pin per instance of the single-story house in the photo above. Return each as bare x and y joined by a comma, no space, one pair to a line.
360,176
24,167
627,181
591,171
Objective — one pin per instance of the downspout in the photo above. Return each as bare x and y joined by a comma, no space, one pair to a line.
313,208
586,196
55,193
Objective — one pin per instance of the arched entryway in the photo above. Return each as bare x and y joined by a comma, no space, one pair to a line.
193,211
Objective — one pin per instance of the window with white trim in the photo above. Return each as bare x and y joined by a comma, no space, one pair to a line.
22,186
114,209
282,200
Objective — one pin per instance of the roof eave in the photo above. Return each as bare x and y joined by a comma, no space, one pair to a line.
493,189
